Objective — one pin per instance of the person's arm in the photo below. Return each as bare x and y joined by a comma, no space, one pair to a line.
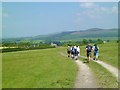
93,48
86,48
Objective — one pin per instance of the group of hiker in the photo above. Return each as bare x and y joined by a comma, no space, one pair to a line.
74,52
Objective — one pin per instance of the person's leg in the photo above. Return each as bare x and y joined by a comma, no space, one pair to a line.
68,53
76,56
94,55
88,57
97,56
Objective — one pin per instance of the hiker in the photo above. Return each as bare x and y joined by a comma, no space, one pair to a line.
78,50
96,50
68,51
72,52
75,53
88,52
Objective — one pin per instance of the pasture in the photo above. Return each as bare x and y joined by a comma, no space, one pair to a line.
47,68
38,69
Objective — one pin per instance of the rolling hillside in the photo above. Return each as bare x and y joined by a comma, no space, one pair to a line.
71,35
75,35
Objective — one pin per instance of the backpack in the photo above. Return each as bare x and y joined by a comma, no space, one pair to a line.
72,49
75,50
89,48
96,48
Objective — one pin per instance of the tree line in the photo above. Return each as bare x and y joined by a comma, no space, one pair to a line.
29,45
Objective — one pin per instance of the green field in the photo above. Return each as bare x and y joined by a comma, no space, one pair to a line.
47,68
38,69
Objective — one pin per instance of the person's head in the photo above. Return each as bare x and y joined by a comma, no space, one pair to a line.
74,46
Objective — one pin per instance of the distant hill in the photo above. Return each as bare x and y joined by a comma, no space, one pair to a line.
77,35
72,35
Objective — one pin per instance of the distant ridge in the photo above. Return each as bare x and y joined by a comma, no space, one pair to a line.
89,33
77,35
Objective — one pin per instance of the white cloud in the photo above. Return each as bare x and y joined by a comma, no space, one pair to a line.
115,9
88,5
94,11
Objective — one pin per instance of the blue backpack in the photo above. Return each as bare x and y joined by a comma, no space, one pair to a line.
96,48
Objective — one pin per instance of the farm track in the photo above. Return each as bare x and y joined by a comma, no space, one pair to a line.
109,67
85,77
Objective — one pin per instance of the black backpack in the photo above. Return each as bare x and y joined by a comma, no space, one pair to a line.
89,48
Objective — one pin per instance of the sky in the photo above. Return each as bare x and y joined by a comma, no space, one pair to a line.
25,19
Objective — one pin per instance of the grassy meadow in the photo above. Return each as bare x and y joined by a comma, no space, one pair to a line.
47,68
38,69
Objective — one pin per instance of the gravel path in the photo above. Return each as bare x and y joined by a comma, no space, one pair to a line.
85,77
109,67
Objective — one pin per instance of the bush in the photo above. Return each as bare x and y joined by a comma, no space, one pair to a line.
22,49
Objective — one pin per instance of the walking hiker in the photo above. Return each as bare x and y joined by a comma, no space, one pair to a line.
72,52
75,53
88,52
78,50
96,50
68,51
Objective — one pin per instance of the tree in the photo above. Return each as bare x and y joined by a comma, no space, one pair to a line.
99,41
85,41
90,41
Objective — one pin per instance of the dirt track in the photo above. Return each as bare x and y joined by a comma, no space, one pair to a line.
109,67
85,78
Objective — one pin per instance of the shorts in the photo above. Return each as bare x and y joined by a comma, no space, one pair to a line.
88,54
96,54
72,53
68,52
